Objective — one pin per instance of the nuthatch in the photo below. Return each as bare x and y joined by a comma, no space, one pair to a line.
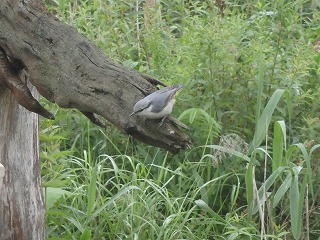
158,104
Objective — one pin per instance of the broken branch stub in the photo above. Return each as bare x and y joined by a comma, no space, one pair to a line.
68,69
10,78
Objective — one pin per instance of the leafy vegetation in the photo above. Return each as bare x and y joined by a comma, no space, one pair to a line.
251,72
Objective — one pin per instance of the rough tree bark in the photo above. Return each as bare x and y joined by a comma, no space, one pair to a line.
21,203
68,69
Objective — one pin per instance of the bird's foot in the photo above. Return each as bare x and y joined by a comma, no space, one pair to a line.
162,121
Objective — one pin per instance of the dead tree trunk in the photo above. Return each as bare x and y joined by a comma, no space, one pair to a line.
21,203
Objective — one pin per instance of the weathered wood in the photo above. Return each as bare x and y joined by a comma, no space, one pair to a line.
14,79
2,169
21,203
68,69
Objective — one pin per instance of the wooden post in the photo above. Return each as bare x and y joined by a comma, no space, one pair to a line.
1,175
21,203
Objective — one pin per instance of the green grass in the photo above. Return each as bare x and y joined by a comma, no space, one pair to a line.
251,101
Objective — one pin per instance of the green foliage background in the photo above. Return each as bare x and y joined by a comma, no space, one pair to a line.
251,101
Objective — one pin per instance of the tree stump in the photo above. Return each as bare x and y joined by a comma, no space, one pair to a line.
21,202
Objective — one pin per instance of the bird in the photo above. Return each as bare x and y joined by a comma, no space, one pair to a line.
158,104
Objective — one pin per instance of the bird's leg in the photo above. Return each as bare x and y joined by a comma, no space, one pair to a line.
162,121
178,123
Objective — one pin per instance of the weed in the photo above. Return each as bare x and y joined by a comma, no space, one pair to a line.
251,77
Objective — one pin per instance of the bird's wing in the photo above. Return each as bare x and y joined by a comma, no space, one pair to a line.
161,97
140,105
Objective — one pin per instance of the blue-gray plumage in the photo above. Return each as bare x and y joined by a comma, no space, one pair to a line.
158,104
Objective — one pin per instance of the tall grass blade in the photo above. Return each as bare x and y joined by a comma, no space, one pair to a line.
295,209
279,144
266,186
92,191
260,84
307,160
229,151
264,120
282,190
249,178
123,191
203,205
85,235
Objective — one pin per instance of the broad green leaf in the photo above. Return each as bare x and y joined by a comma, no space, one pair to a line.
249,186
295,209
193,113
279,144
86,235
260,84
282,190
52,195
55,183
130,64
306,158
265,187
92,190
315,147
76,223
200,183
265,118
